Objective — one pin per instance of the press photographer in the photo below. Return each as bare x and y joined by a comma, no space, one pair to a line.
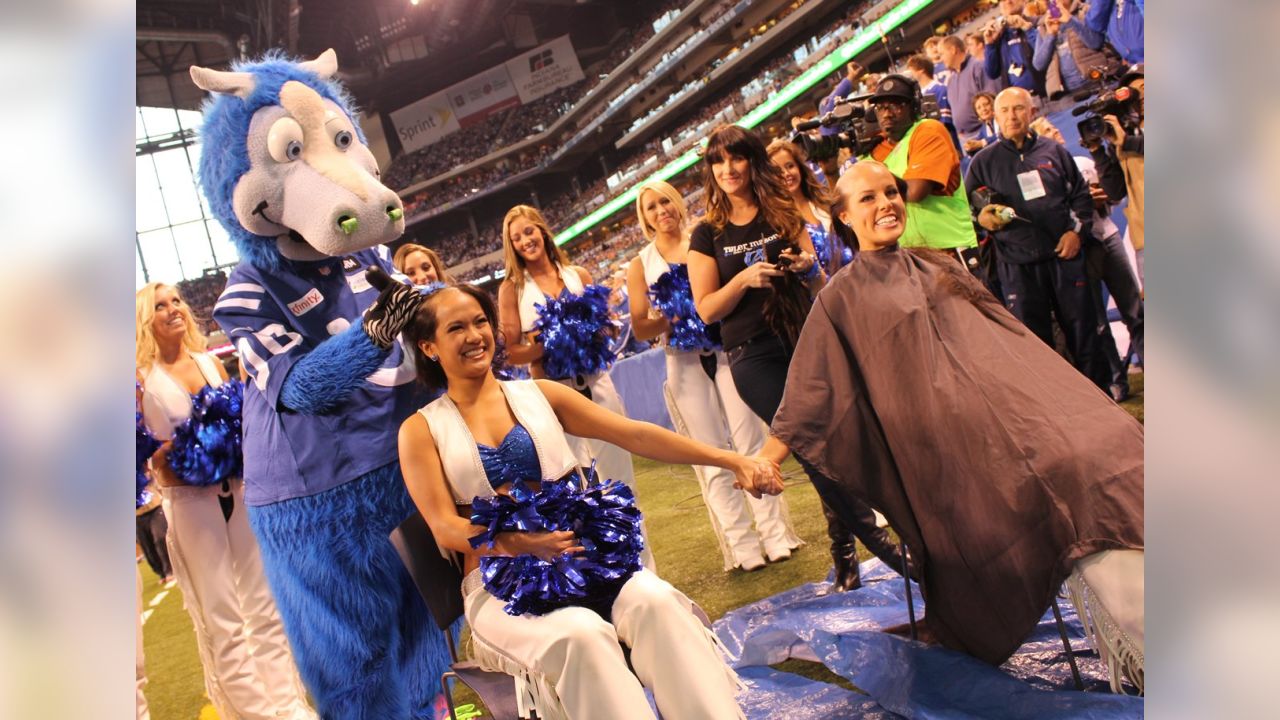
1112,132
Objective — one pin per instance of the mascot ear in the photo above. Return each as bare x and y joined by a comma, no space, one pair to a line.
325,65
240,84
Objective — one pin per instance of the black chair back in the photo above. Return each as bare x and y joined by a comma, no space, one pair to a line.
438,580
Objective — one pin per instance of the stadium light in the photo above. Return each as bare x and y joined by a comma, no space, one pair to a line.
820,70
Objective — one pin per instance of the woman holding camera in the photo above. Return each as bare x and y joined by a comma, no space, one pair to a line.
752,268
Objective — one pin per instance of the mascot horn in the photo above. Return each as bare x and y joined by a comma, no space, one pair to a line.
286,171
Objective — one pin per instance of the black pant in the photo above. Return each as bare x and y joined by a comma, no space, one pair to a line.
1106,261
152,527
760,373
1038,292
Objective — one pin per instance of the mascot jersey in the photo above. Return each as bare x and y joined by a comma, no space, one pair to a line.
276,318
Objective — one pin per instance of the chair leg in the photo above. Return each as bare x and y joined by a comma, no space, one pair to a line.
1066,643
906,580
448,693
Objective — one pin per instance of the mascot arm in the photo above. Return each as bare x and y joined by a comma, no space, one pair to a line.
323,378
290,371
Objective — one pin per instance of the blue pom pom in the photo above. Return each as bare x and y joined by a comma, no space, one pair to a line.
576,333
206,448
147,446
672,296
604,519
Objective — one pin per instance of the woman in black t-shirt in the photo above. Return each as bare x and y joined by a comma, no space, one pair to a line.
752,268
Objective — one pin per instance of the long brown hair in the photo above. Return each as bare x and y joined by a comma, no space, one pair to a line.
812,190
764,181
511,259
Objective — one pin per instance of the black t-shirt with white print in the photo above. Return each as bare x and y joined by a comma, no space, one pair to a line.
733,249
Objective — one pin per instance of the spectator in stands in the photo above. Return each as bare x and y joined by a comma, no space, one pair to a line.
1121,21
975,46
932,49
1011,43
984,106
812,199
919,150
420,264
967,80
1041,268
921,70
1121,161
1065,54
1106,260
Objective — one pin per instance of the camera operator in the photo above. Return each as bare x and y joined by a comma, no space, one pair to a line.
921,69
1036,204
1120,158
920,151
1011,42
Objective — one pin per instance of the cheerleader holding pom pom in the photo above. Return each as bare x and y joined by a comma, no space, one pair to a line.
487,442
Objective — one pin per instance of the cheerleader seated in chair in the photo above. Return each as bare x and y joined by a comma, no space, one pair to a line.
480,443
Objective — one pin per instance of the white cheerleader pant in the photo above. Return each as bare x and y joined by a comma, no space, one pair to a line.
612,462
139,662
711,411
1108,589
249,671
570,661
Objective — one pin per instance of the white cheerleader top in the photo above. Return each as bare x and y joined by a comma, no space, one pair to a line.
460,456
532,295
166,404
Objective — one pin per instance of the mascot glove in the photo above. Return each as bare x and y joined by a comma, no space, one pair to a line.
392,311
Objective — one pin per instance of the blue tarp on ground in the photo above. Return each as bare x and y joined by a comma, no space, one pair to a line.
902,679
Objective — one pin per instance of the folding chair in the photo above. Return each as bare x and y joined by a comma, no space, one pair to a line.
440,584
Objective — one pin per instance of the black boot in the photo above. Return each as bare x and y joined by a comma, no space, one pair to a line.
862,523
844,552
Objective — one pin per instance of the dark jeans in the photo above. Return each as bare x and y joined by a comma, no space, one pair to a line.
152,527
760,373
1107,262
1037,293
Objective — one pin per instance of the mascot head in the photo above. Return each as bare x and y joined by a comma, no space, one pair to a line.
285,167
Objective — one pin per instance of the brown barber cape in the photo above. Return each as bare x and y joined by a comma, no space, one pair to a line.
997,462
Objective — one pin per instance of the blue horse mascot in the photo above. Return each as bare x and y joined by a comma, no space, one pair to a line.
286,171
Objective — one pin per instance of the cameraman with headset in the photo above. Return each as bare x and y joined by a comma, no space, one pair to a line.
921,152
1120,159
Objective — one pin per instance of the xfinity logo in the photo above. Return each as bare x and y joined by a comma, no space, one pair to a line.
306,302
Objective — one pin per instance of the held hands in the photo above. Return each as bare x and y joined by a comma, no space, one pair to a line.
392,312
758,476
758,275
543,545
1068,245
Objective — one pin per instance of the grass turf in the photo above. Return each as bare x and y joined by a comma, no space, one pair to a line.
683,546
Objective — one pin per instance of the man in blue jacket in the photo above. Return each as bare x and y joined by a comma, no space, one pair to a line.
1011,44
1040,265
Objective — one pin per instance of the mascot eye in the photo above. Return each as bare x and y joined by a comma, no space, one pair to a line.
284,140
342,139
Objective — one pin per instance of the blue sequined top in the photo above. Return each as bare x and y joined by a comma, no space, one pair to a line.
515,458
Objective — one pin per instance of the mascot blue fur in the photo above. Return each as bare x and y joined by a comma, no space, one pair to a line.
287,173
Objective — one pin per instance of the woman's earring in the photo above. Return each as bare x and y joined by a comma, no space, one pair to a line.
434,358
